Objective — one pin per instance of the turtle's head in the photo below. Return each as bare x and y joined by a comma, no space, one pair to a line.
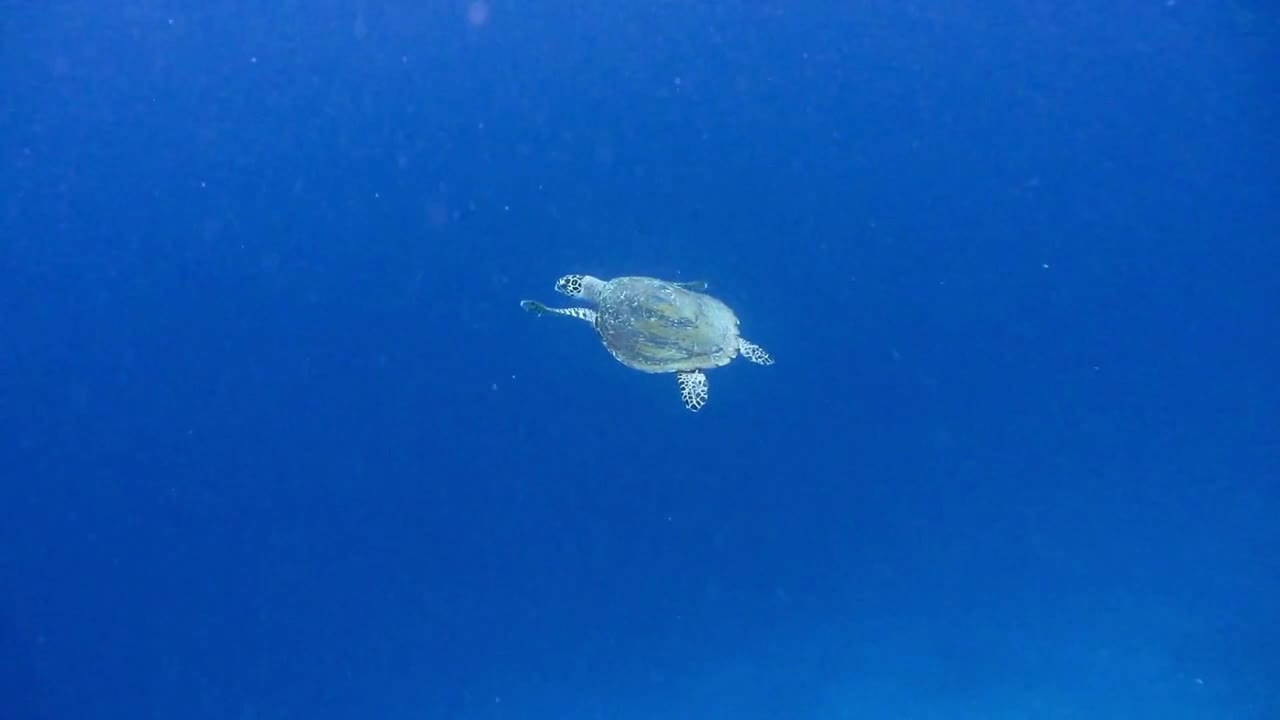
579,286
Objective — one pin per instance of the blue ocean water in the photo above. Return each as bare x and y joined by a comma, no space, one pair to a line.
279,442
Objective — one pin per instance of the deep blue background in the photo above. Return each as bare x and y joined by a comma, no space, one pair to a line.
278,441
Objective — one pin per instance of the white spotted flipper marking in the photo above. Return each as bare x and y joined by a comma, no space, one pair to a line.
538,308
693,389
754,352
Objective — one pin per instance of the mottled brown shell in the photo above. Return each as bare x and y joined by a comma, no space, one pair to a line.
660,327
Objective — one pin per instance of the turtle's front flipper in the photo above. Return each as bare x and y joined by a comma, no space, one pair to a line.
693,389
753,352
694,285
538,308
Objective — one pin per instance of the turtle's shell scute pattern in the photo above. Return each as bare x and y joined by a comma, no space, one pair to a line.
658,327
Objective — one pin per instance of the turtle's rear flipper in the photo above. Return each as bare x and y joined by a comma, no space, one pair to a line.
538,308
754,352
693,389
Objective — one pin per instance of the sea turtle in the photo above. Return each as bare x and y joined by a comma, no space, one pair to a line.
657,326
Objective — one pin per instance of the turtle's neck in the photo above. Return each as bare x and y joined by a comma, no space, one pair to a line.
591,288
